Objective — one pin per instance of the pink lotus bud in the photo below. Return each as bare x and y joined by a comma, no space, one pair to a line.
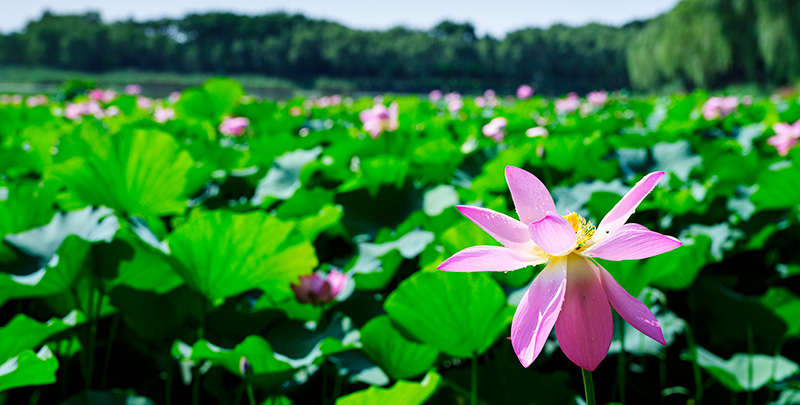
234,126
496,129
524,92
245,367
319,288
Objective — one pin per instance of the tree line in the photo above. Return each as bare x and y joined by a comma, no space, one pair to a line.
699,43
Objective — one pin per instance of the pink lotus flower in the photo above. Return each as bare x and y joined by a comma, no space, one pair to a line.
133,89
455,105
597,98
162,115
568,104
319,288
112,111
489,94
572,293
719,107
102,95
785,138
295,111
336,99
435,95
496,129
379,119
524,92
234,126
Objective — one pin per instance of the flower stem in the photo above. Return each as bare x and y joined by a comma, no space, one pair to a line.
473,397
588,386
250,396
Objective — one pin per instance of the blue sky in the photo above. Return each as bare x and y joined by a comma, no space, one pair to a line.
495,17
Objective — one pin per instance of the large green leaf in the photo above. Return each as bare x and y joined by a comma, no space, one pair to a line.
744,372
459,314
137,173
403,392
221,254
29,368
388,348
23,332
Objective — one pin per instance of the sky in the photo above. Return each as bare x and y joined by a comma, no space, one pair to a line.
495,17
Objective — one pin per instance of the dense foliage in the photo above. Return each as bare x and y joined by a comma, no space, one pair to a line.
699,43
149,248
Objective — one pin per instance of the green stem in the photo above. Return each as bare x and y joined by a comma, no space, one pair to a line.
168,387
588,386
109,345
196,369
250,395
473,395
81,332
751,353
771,387
621,361
662,372
698,378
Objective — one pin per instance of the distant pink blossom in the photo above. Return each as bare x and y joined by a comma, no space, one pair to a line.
455,106
102,95
379,119
133,89
144,102
573,293
568,104
295,111
719,107
74,111
336,99
162,115
785,138
234,126
536,132
36,100
112,111
320,288
524,91
174,97
597,98
496,129
489,94
435,95
452,97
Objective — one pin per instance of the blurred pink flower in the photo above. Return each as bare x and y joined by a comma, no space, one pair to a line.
524,91
597,98
573,292
379,119
174,97
36,100
719,107
102,95
112,111
144,102
234,126
133,89
489,93
435,95
480,101
568,104
162,115
295,111
536,132
785,138
496,129
336,99
319,288
74,111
